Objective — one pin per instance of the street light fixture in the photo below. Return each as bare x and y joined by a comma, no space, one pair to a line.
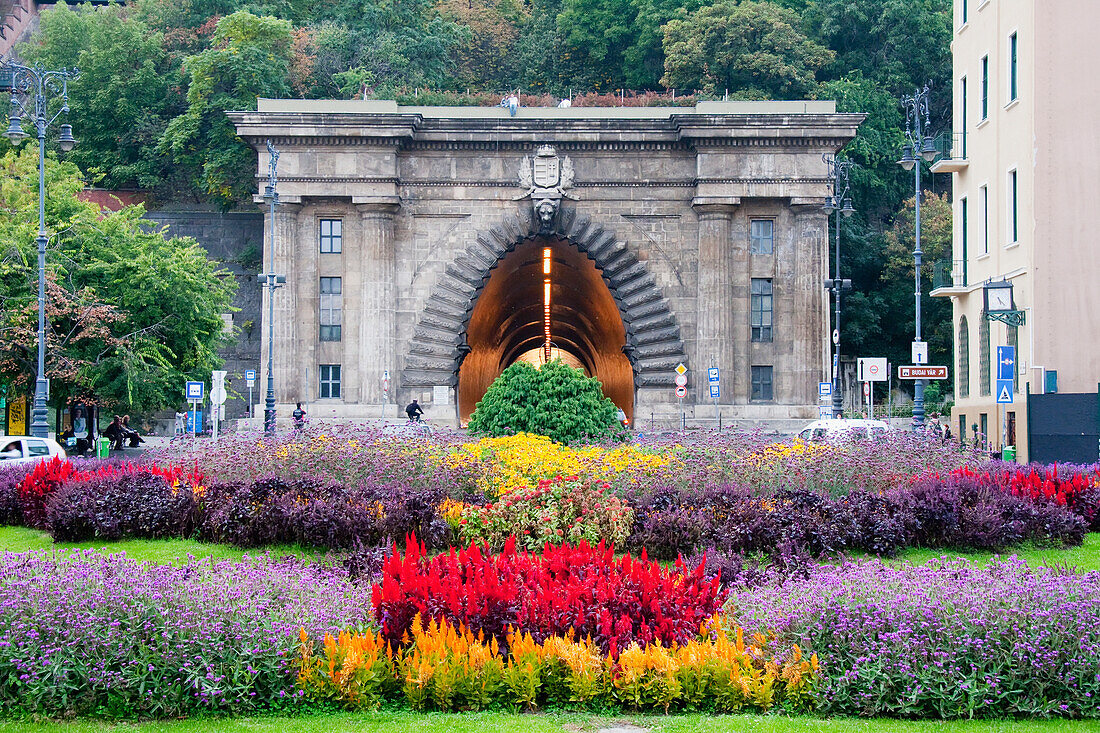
841,203
271,281
37,87
916,133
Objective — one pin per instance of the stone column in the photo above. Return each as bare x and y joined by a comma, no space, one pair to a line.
288,356
715,300
812,342
377,298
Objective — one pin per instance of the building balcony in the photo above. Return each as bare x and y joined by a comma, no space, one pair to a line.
951,149
948,278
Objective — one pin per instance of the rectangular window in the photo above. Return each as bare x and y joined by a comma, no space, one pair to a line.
962,112
330,381
1013,212
761,308
1012,68
762,236
332,308
985,220
964,234
982,441
762,383
965,10
985,87
332,236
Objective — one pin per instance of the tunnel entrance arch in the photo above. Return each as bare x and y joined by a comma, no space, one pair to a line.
545,299
649,342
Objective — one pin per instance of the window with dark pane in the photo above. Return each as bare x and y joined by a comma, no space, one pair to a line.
332,236
761,309
330,381
762,383
332,308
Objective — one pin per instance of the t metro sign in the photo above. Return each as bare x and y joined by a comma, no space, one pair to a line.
922,372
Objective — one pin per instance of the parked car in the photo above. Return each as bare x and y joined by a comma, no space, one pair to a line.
25,449
839,431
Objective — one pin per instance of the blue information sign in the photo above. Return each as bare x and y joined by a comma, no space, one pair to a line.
194,391
715,392
1006,362
712,375
194,421
1004,391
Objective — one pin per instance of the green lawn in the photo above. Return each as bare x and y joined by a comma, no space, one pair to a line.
387,722
21,539
1084,558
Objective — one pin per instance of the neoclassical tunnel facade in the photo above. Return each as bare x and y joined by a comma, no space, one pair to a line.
428,248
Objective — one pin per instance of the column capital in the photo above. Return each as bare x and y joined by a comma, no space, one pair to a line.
715,205
283,207
373,206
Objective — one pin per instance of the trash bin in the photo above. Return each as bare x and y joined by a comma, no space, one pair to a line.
103,448
1008,453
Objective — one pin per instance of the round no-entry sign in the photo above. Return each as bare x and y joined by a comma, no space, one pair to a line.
681,391
681,380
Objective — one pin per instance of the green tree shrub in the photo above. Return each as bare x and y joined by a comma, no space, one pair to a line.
557,401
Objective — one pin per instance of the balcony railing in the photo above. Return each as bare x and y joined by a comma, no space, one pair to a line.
951,145
948,274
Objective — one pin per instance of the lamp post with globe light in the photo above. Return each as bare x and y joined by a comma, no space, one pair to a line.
271,281
32,89
919,146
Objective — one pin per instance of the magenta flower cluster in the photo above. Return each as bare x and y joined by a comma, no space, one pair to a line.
84,633
945,640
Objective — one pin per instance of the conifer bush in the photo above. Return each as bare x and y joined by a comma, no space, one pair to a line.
555,400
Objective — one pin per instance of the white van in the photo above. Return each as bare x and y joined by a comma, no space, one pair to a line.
839,431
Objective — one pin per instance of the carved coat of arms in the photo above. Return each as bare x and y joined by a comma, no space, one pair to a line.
546,178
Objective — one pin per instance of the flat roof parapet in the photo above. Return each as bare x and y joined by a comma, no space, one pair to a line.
390,107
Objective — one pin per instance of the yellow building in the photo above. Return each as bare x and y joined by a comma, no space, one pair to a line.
1026,165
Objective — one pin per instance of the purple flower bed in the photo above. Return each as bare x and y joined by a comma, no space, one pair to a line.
944,640
87,634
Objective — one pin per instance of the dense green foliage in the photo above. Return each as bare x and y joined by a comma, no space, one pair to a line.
132,315
556,400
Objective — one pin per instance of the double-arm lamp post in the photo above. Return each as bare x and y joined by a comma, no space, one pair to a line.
271,281
919,145
36,87
841,202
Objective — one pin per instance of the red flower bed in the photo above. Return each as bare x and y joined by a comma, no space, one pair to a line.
566,590
48,476
1074,487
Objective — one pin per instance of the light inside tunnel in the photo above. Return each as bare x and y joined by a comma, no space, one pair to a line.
578,321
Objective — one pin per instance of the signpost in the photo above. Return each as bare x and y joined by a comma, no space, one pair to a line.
385,390
922,372
871,369
715,379
1006,383
217,398
250,379
195,391
681,390
920,352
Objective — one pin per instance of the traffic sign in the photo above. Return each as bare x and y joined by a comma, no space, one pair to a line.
1006,362
915,371
872,369
681,380
250,377
920,352
712,375
824,390
824,412
681,369
1004,391
681,392
194,391
715,391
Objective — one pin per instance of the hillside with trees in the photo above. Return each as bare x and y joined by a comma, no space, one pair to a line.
159,74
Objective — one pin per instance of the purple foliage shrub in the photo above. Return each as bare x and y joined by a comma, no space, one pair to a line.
11,510
125,505
945,640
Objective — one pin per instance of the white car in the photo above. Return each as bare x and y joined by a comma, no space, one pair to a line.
838,431
25,449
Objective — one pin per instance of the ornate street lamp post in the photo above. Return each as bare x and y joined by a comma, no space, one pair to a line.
919,146
271,281
38,87
841,203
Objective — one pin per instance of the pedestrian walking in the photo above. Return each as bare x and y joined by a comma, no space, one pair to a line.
299,418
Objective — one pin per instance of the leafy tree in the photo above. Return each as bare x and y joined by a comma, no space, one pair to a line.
557,401
484,56
754,49
249,58
595,36
132,315
122,100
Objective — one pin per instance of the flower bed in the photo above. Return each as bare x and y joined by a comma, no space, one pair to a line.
945,640
444,668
